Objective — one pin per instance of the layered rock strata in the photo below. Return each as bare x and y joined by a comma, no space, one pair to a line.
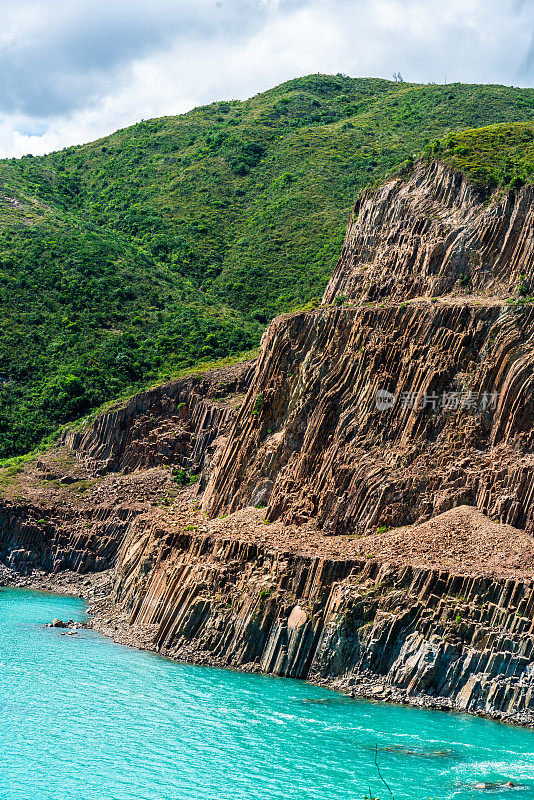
316,439
431,232
357,419
175,423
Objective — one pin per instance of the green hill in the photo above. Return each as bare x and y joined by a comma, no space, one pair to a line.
493,156
175,240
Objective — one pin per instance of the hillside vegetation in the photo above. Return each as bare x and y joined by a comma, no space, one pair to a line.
492,156
128,259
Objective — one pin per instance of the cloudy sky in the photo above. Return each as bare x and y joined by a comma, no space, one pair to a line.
74,70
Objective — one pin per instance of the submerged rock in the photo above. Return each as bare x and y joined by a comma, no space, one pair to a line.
497,785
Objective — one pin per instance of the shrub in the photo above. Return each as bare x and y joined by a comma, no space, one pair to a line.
382,529
179,476
258,405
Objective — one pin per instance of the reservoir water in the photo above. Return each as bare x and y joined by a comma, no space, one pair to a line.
85,719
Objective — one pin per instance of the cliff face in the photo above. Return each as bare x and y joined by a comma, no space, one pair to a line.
357,419
176,423
80,540
431,232
311,442
403,632
57,517
71,508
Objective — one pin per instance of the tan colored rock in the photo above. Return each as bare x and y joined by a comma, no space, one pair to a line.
329,454
431,233
394,557
297,618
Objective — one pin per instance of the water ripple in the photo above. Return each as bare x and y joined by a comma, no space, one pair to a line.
85,719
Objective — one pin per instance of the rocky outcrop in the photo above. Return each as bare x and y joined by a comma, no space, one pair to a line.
175,423
431,232
70,533
409,633
357,419
71,509
62,542
314,439
76,507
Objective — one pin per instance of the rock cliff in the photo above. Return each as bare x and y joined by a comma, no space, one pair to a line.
364,510
392,630
383,414
431,232
175,423
70,509
313,440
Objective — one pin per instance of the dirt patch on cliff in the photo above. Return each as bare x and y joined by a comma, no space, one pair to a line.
462,539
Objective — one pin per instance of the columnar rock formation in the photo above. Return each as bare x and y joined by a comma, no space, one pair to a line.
407,397
175,423
314,441
79,539
398,631
71,517
431,232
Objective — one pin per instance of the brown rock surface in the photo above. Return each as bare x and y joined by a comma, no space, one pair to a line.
381,547
237,592
175,423
463,540
432,232
70,508
311,441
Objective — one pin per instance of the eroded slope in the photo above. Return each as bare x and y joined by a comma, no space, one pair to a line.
314,440
433,232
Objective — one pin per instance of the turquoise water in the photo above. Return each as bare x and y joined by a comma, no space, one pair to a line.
86,719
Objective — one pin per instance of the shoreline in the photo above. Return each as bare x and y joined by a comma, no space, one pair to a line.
107,620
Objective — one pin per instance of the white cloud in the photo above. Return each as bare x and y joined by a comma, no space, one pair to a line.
74,70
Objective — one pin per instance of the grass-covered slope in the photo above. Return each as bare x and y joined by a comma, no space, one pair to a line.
492,156
87,315
176,239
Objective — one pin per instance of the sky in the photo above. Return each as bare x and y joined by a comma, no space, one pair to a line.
72,71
